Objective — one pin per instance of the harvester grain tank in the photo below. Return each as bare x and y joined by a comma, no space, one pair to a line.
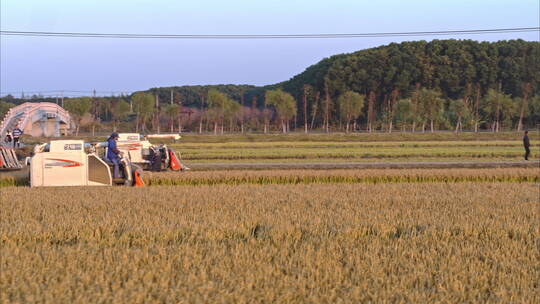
149,156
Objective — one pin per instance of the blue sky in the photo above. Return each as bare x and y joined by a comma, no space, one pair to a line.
35,64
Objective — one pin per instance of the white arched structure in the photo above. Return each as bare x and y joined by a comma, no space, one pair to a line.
37,119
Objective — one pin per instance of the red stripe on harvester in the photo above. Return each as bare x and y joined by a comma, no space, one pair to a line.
72,162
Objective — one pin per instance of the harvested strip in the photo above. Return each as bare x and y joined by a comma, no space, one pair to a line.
358,137
346,152
358,164
317,145
351,155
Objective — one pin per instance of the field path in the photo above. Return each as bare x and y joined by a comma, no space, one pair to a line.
363,165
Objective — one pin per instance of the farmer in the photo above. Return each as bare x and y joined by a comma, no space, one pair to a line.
9,137
113,154
527,145
16,134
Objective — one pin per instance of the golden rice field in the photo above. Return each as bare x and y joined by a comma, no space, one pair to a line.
394,241
338,176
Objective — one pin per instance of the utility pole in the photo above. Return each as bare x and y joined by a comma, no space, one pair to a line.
157,112
242,112
96,115
172,96
94,104
180,114
62,99
327,107
201,94
305,108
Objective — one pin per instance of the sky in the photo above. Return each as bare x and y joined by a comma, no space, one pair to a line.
110,66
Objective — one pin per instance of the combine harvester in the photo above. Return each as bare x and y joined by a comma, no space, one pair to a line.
74,163
148,156
68,163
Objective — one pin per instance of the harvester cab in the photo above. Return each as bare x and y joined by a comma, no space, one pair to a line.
74,163
147,155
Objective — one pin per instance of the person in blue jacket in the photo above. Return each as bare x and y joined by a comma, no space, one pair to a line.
16,134
113,154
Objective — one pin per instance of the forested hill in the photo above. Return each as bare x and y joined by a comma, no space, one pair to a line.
445,65
448,66
445,82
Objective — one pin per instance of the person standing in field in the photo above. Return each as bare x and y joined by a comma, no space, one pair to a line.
527,145
9,138
16,134
113,154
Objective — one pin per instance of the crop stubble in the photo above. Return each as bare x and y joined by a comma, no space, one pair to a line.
350,150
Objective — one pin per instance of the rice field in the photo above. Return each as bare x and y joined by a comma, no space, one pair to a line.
471,240
342,176
285,236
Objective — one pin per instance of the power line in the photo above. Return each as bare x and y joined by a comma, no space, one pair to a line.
66,93
269,36
59,91
47,91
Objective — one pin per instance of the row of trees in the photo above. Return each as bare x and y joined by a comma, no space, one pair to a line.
425,109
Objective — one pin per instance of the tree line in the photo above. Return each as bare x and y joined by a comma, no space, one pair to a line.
412,86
